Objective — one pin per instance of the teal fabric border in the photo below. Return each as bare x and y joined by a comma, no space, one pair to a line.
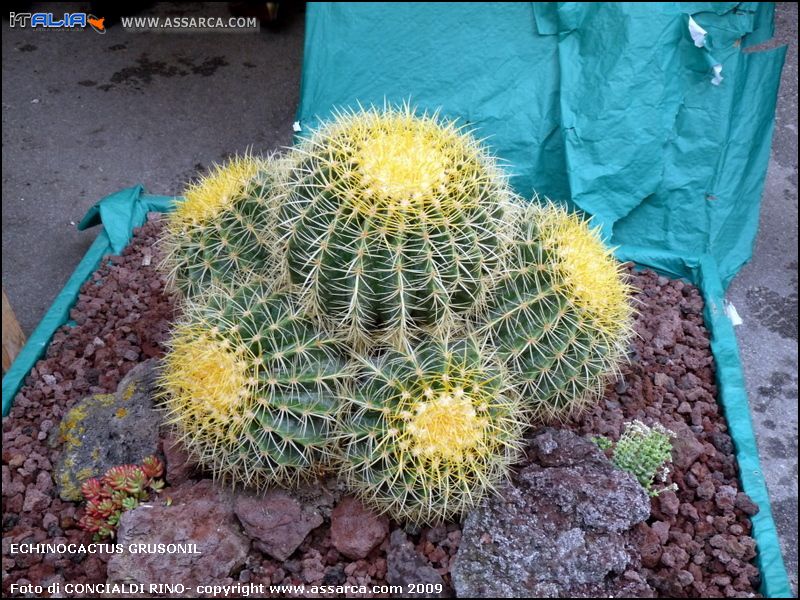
703,273
119,213
733,395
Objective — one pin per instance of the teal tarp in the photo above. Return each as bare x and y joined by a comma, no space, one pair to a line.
615,108
608,105
120,213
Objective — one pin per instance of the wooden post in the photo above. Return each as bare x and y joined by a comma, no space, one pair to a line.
13,338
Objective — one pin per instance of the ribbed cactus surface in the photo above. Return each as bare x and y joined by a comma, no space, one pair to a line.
560,315
225,227
392,220
426,432
250,386
379,296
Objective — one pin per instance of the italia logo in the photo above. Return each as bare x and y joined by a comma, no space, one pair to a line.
45,20
97,23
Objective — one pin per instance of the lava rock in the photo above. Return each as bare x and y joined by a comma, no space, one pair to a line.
356,530
276,522
668,503
561,529
35,501
177,463
746,505
650,545
686,448
407,567
200,514
321,495
668,333
106,430
705,490
725,498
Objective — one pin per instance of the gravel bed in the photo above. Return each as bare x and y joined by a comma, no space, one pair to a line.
696,543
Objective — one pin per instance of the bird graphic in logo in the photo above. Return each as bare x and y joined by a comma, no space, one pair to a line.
98,24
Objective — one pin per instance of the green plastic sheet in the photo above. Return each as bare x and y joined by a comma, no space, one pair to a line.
647,116
119,213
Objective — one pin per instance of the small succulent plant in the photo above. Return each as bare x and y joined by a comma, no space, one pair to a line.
121,489
603,442
643,452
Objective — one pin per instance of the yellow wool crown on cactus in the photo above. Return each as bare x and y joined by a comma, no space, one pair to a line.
393,220
250,386
402,168
429,430
587,269
210,377
225,227
215,191
561,314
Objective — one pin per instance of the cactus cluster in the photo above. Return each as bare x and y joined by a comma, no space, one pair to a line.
378,301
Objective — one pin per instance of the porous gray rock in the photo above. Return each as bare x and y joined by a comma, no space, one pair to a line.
201,513
560,529
408,568
106,430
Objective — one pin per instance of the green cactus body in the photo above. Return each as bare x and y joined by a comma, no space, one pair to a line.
392,220
225,229
429,430
250,386
395,234
560,340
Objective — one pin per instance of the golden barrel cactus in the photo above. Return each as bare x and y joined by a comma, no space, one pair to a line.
392,221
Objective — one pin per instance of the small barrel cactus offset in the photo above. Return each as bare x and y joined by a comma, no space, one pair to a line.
428,431
250,386
561,315
392,219
225,227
